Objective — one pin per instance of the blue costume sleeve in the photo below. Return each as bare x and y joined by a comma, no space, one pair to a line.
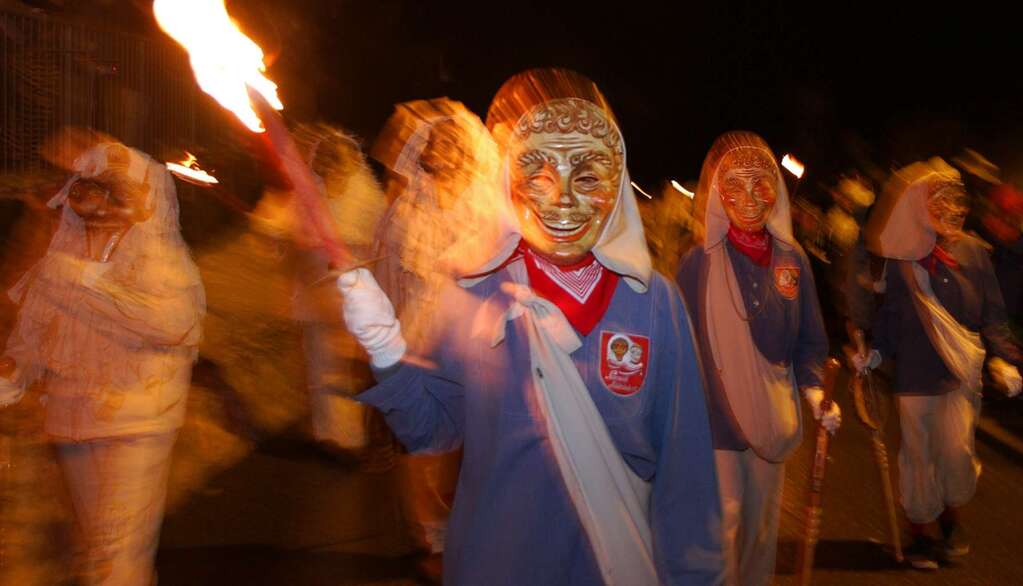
995,328
423,407
685,509
811,348
884,333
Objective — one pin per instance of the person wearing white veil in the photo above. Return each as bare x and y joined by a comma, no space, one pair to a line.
942,306
762,339
442,164
571,474
108,328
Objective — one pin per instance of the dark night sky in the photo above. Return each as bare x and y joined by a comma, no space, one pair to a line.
890,83
836,83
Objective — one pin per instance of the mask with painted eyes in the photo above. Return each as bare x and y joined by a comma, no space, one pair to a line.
747,181
565,178
947,207
102,204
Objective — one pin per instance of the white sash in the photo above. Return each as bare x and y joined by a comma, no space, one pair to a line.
612,502
762,395
960,349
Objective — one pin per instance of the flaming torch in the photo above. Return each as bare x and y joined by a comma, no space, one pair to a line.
188,170
229,67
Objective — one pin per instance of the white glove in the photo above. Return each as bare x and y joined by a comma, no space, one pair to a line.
864,362
10,392
833,418
369,315
1005,375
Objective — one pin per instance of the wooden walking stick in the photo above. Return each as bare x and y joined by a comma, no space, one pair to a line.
814,510
868,408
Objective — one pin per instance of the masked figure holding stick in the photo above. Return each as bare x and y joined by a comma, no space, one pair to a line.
942,305
575,471
759,325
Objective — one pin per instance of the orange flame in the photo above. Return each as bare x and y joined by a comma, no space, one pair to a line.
188,169
224,60
793,165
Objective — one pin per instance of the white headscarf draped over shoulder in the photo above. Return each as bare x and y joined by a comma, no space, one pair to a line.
899,227
622,246
56,330
709,207
413,217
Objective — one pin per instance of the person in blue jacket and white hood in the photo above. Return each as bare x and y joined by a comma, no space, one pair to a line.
760,330
575,471
942,306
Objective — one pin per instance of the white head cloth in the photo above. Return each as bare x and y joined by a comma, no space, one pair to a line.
58,332
711,210
762,395
621,246
900,227
611,500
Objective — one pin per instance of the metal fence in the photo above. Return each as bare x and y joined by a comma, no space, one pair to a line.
57,74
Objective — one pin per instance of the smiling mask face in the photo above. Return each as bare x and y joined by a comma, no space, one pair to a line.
565,178
747,181
947,207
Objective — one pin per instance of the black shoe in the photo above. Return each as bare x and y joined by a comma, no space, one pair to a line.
920,554
955,543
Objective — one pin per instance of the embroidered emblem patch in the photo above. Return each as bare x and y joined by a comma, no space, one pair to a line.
623,362
786,280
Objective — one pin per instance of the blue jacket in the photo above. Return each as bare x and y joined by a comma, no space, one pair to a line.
786,324
970,293
513,521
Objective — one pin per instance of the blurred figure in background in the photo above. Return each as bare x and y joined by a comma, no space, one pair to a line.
942,306
442,169
851,288
754,305
998,206
108,325
668,225
336,368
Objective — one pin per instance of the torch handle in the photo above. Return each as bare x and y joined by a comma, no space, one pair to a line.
303,184
814,509
861,343
857,337
831,368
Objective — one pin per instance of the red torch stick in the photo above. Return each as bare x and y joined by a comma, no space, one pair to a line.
304,186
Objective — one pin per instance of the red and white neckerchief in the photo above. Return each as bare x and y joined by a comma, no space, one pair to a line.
939,254
755,245
582,291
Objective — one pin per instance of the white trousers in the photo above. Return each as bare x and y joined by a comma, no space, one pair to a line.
118,487
938,465
750,489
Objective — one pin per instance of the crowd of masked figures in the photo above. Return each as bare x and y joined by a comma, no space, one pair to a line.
513,341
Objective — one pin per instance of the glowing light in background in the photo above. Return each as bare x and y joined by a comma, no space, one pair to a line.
678,187
639,189
793,165
224,60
